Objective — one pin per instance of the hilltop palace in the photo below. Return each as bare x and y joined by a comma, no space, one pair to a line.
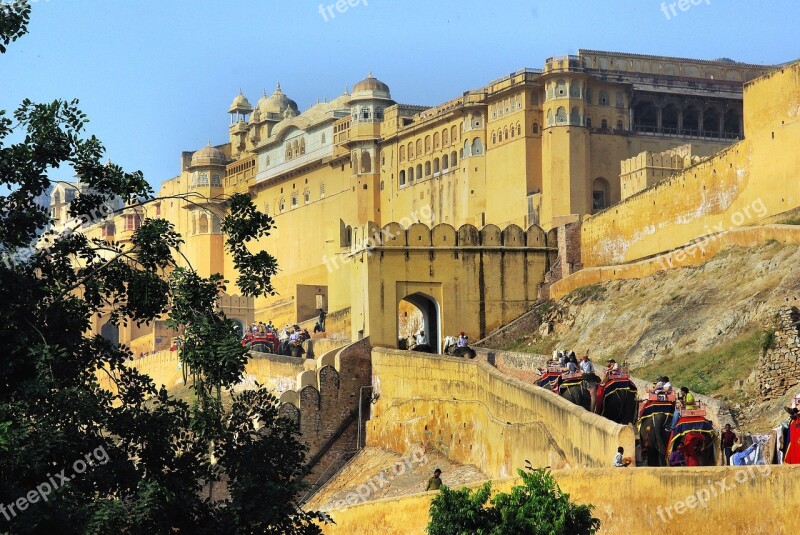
449,208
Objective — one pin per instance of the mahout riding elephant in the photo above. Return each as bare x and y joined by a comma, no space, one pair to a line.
617,399
296,350
423,348
580,389
654,416
449,345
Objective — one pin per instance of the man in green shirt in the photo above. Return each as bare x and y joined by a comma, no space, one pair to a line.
435,482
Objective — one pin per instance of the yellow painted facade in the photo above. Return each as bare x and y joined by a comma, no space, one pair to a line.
753,180
532,149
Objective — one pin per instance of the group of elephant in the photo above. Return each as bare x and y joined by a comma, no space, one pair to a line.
616,398
449,347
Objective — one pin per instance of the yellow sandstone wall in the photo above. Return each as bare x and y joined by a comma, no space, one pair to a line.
476,415
628,500
752,180
692,255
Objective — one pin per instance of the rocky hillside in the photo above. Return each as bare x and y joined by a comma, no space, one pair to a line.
704,326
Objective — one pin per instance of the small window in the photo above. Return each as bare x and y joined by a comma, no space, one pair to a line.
281,206
402,178
294,200
322,190
306,196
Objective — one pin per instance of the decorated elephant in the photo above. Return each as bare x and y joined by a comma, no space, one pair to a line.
550,378
296,350
423,348
617,398
696,438
580,389
654,416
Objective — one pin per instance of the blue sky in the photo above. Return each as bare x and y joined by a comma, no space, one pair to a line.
156,77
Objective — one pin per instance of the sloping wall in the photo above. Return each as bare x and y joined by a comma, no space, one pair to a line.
476,415
752,180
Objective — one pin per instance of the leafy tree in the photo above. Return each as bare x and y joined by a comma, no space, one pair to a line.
537,507
154,462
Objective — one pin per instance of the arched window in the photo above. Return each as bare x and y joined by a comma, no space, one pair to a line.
453,159
588,122
691,118
215,224
588,93
427,144
453,134
550,120
561,88
535,128
620,126
604,124
436,166
322,190
410,175
711,118
466,150
379,113
366,162
603,97
574,89
203,224
428,168
294,200
302,145
445,162
561,115
402,178
419,148
202,180
295,149
600,194
281,205
418,172
288,152
436,141
410,151
216,182
494,138
306,196
575,116
402,153
519,130
57,197
365,113
477,146
445,140
505,133
550,92
669,119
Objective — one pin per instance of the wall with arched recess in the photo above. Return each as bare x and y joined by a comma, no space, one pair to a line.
744,500
474,414
479,278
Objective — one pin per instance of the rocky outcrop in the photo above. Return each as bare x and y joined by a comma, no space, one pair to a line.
779,365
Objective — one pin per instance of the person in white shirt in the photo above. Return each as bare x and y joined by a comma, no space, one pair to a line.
612,365
667,388
421,338
619,460
586,365
294,337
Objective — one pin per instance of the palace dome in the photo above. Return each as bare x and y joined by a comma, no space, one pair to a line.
371,87
277,103
209,155
240,104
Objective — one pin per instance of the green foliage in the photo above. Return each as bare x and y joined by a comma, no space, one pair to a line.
769,340
165,461
593,292
711,372
537,507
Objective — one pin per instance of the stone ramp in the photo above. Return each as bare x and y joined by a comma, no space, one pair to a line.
375,473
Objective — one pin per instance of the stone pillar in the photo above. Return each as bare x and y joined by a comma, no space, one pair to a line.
659,115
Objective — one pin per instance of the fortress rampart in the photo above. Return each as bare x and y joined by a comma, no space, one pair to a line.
474,414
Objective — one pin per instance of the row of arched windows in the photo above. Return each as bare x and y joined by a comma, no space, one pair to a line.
294,200
295,148
428,144
361,162
200,179
503,133
200,224
431,168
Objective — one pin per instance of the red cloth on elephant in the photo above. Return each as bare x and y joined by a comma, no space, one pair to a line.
793,445
691,447
598,404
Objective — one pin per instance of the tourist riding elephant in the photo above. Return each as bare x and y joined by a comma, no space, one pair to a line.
580,389
696,438
617,399
654,438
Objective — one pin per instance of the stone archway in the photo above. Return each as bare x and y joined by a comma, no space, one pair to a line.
430,311
110,332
